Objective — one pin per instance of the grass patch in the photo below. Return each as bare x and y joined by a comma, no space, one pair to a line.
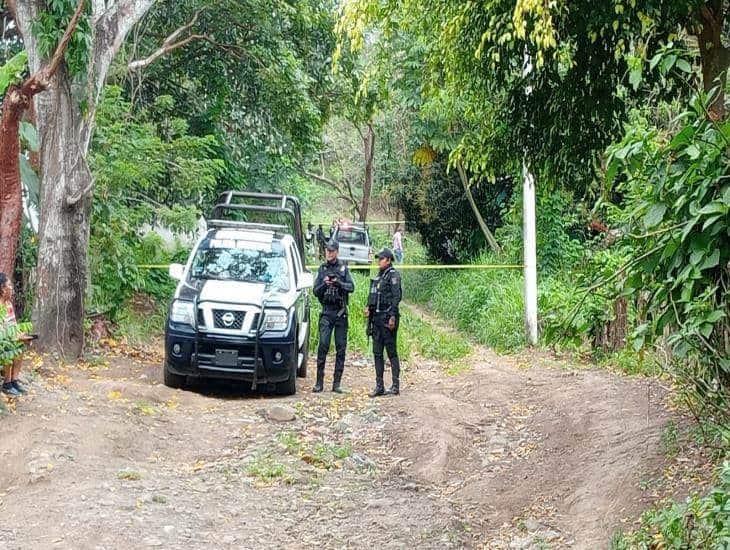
136,326
266,468
129,475
291,442
327,456
631,362
487,304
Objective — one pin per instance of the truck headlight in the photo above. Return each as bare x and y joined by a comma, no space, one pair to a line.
182,312
276,320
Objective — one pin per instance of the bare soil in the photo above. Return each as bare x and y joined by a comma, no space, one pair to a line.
513,452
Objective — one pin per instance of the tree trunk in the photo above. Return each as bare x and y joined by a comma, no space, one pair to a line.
11,194
715,58
369,150
64,223
66,182
612,335
467,189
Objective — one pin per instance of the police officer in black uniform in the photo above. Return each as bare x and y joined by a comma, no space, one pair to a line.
332,287
383,319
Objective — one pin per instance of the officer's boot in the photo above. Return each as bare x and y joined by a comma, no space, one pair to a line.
336,387
319,384
379,370
395,371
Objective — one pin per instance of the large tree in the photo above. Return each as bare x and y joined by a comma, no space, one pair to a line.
65,118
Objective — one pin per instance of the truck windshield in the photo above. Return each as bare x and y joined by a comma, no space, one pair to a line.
350,236
245,265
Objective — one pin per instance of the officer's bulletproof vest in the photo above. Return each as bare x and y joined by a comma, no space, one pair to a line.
334,296
379,298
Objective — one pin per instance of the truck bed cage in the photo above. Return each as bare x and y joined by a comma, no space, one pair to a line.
268,203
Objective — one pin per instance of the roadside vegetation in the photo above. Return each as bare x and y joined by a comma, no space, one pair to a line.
424,115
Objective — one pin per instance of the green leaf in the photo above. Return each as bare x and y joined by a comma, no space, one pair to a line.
711,261
12,71
715,207
682,137
714,316
684,66
693,151
655,215
30,181
29,135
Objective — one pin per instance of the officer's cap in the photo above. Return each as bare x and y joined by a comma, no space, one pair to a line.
332,245
385,253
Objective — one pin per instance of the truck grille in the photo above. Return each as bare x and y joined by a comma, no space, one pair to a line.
231,320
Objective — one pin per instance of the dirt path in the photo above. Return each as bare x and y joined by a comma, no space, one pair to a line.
102,455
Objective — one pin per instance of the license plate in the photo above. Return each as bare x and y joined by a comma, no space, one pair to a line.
226,358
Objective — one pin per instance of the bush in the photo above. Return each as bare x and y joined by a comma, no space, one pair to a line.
699,522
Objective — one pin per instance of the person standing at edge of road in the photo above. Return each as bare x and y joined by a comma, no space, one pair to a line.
321,241
332,288
384,317
398,246
11,385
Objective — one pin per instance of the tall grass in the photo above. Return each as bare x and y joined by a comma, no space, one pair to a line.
487,304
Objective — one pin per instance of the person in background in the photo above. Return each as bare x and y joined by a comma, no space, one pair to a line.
398,246
11,385
310,240
321,241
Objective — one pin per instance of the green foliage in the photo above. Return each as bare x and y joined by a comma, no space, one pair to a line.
473,67
10,346
677,219
699,522
50,26
261,82
266,468
438,210
12,71
147,174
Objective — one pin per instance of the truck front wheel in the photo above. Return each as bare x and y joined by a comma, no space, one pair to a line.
173,380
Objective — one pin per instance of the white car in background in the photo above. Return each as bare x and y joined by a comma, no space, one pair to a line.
355,246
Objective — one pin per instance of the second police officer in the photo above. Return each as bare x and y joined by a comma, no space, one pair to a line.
383,319
332,288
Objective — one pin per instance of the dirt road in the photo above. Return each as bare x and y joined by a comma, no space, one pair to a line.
102,455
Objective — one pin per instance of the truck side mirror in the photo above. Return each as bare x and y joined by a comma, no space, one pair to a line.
306,280
177,271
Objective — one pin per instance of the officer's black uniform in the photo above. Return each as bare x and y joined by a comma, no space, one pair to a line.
334,298
385,295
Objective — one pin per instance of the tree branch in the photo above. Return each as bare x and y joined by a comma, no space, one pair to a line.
169,44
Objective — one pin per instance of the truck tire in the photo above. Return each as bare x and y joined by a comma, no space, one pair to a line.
288,387
302,370
173,380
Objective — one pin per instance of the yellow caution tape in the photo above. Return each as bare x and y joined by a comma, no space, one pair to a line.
376,222
397,266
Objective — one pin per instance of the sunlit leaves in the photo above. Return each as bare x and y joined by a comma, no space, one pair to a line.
12,71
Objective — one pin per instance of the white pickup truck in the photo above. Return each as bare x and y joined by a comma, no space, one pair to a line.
241,308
